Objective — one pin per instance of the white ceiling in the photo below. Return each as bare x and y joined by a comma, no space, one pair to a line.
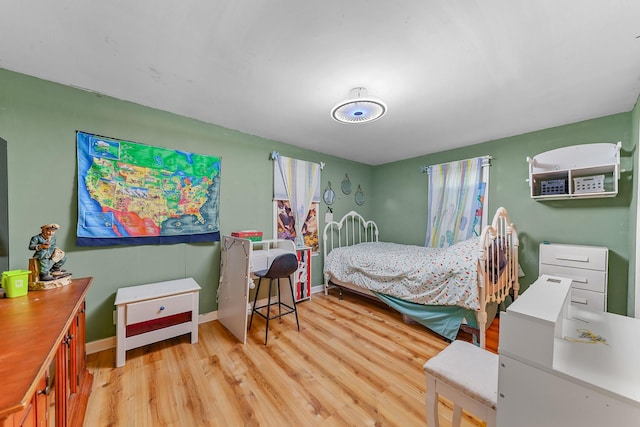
452,72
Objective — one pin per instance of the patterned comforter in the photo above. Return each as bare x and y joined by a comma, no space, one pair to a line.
418,274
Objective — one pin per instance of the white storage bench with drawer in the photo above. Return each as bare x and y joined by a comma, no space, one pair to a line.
586,266
155,312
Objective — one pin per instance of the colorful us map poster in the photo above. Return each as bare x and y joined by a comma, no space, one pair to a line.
135,194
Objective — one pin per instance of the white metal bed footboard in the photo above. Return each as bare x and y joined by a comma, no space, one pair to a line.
497,265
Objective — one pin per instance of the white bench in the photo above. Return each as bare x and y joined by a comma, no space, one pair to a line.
466,375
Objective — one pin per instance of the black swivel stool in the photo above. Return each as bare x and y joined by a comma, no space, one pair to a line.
283,265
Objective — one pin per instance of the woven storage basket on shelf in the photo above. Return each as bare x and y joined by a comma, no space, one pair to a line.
553,186
588,184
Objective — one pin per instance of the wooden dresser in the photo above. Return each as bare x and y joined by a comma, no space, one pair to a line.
43,357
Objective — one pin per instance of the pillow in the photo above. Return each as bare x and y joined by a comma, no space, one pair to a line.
497,262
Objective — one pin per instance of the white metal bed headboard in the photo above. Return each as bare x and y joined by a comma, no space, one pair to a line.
350,230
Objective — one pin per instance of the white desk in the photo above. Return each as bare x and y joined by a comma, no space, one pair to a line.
546,378
262,253
241,257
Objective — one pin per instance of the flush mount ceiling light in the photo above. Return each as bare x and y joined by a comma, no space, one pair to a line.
358,108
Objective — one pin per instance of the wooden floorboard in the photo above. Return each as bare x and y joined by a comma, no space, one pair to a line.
353,363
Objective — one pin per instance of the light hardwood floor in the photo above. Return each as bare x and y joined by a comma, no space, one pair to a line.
353,363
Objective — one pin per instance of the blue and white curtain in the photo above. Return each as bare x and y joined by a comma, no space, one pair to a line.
456,199
299,182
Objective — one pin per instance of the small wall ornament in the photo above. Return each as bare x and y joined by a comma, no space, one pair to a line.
359,196
329,195
346,185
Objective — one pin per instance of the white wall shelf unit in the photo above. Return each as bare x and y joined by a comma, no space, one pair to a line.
575,172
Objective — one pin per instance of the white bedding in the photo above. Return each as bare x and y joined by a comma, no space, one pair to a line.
413,273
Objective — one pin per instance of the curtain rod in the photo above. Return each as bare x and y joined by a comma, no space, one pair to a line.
486,161
274,156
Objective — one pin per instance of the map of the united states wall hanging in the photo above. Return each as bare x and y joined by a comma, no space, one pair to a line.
135,194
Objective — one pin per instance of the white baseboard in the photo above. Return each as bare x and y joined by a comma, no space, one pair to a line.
100,345
317,289
110,342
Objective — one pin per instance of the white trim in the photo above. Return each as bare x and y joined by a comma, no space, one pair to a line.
100,345
636,282
317,289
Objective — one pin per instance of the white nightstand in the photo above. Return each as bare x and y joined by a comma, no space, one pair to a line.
155,312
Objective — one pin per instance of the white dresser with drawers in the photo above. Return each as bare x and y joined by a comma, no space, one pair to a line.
586,266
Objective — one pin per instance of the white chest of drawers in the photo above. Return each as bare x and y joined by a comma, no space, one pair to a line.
155,312
586,266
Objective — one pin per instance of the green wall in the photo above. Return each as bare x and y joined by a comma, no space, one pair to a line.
401,198
38,119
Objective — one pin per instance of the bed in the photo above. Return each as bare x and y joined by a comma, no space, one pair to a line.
444,289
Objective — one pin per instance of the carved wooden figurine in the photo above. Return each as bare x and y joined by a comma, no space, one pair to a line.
46,264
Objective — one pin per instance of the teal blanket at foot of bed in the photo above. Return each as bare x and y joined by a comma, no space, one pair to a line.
442,319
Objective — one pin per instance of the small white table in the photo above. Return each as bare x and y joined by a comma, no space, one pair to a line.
155,312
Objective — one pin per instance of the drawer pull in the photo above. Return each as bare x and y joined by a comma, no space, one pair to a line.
46,391
577,279
162,308
577,258
578,300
